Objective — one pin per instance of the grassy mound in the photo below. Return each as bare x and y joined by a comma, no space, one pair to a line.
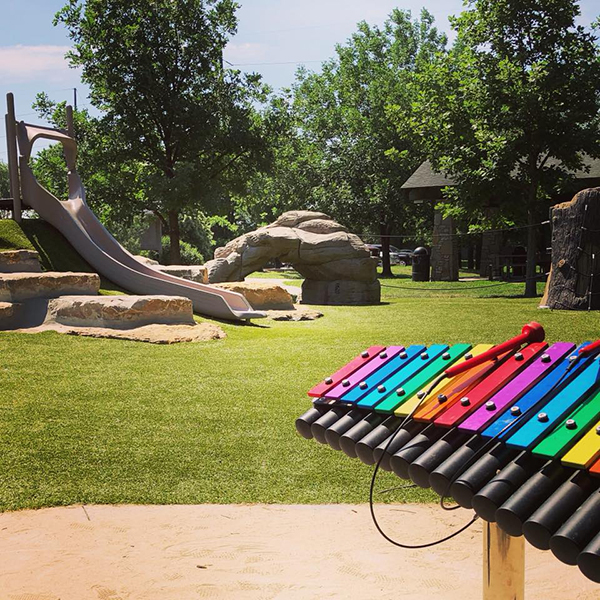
56,253
12,237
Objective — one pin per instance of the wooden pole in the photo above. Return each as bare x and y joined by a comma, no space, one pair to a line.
503,565
70,123
13,165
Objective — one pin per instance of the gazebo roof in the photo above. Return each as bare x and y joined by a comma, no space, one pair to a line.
426,177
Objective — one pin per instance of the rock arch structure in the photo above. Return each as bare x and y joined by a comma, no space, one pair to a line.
337,266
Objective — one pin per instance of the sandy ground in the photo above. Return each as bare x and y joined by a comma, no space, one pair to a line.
252,552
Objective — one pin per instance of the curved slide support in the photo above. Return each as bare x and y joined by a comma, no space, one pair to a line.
74,219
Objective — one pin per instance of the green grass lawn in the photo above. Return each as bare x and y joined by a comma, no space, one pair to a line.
84,420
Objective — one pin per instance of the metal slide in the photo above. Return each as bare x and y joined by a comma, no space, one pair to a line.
74,219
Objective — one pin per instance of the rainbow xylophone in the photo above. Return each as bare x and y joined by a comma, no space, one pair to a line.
511,431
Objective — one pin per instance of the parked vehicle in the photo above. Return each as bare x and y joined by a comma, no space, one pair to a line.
398,256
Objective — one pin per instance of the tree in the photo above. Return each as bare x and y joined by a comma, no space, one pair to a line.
337,150
156,71
511,111
346,137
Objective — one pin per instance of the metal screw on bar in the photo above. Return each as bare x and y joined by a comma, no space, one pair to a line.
442,398
468,355
446,356
345,383
571,424
420,395
515,411
424,355
400,392
383,354
381,389
364,354
489,405
598,430
542,417
363,385
546,358
465,401
328,380
403,355
518,356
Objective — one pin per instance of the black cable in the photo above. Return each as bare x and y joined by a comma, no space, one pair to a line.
374,477
456,289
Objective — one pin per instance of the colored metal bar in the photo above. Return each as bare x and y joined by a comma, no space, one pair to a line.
330,382
462,385
547,388
573,427
595,468
361,374
398,363
538,425
490,385
585,452
513,390
400,378
419,382
442,388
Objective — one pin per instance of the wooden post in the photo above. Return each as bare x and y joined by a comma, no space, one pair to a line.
503,565
70,123
13,166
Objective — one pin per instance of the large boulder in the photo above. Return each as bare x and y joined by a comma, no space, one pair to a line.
318,247
261,296
120,312
340,292
20,261
15,287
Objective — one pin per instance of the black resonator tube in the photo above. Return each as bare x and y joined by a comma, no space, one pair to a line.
547,519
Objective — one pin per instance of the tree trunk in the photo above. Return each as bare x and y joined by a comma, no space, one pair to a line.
530,280
471,257
574,281
174,250
385,230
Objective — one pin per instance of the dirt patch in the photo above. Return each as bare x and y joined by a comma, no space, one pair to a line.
254,552
154,334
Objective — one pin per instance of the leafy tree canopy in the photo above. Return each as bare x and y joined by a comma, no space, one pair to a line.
511,111
155,69
343,155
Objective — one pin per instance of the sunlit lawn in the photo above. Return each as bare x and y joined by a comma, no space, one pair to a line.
85,420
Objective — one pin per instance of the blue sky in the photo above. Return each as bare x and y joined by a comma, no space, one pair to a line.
274,37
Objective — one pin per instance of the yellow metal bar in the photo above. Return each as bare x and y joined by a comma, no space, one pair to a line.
585,452
503,565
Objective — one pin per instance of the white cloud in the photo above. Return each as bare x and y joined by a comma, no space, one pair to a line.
247,52
29,63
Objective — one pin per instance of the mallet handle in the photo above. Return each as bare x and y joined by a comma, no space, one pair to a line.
532,332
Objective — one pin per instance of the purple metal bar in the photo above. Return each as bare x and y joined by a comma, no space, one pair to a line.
517,387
